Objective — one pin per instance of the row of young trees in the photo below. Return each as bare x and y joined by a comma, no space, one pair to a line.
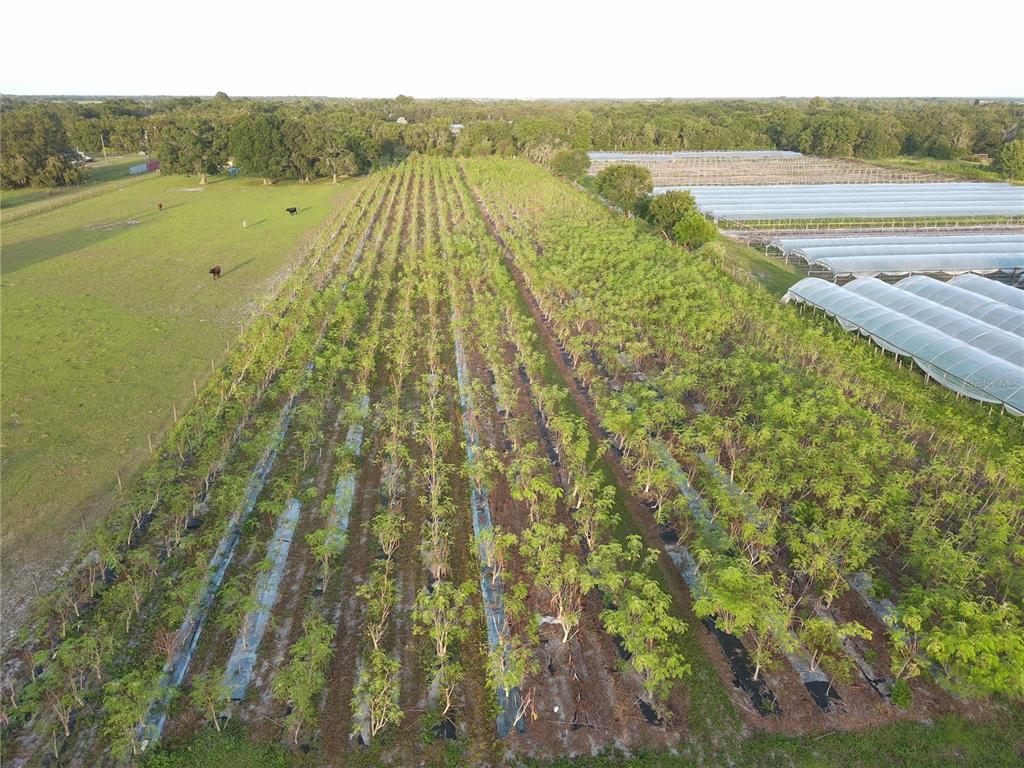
845,461
567,548
347,363
301,138
145,565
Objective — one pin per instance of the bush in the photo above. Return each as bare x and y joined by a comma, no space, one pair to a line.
665,211
569,163
901,694
625,186
1010,160
693,230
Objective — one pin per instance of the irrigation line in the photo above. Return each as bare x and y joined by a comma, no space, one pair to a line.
491,587
243,656
187,637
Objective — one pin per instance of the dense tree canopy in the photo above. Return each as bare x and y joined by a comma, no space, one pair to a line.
258,146
190,144
307,137
36,150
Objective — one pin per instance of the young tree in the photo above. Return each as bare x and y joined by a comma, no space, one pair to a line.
126,701
443,614
741,600
625,186
326,544
210,694
640,614
1010,159
557,571
496,543
388,527
827,553
824,639
303,678
376,692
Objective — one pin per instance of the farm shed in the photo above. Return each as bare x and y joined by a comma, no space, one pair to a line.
963,354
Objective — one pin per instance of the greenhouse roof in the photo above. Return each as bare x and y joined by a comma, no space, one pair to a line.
976,304
662,156
836,201
947,346
796,244
959,325
945,263
1006,294
899,255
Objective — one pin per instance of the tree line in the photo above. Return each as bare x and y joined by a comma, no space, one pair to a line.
306,138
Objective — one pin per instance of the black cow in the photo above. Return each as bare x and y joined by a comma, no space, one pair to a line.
292,211
215,271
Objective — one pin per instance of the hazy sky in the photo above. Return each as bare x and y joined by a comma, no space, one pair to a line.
520,48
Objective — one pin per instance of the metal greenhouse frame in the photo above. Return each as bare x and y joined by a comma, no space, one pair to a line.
957,364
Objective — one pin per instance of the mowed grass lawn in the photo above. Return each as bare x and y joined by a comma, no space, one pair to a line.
108,314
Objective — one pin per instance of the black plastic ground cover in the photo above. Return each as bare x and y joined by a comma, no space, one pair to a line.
823,693
761,696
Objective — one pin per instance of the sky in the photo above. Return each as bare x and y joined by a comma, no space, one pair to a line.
517,49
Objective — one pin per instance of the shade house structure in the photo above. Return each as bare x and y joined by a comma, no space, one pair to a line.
952,340
985,253
790,202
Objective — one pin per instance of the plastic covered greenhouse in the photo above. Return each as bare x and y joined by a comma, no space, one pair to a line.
904,254
996,313
963,353
945,263
655,156
1006,294
856,201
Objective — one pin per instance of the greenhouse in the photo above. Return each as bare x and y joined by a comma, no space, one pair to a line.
1013,297
941,263
959,325
948,346
925,244
906,254
974,303
853,201
661,156
795,244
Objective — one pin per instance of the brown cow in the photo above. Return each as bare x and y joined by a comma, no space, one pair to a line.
215,271
159,206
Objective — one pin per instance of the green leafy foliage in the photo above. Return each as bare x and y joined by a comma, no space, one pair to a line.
625,186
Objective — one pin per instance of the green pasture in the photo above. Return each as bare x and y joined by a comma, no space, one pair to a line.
100,172
108,314
961,169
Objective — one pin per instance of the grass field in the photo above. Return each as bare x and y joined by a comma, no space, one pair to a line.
963,169
100,172
108,315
